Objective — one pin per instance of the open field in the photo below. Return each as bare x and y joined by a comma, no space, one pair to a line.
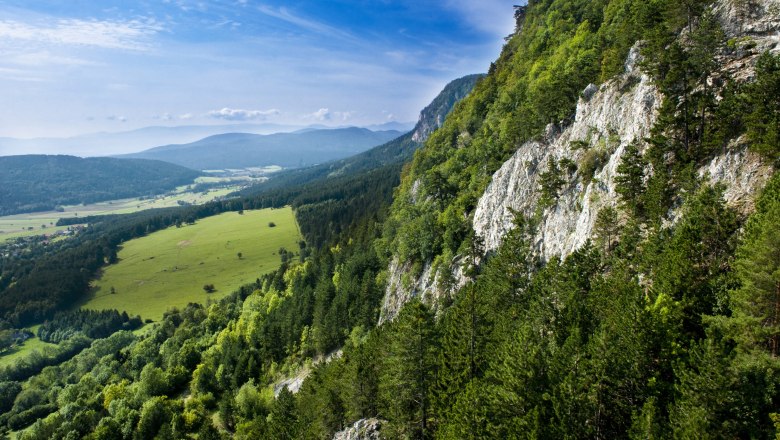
170,267
19,225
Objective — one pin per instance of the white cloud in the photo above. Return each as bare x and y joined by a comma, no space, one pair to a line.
164,117
325,114
234,114
117,118
108,34
186,116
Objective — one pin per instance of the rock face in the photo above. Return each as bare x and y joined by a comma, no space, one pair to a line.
608,118
363,429
432,116
620,112
742,173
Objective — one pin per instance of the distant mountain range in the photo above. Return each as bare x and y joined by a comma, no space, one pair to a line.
31,183
289,150
394,151
108,144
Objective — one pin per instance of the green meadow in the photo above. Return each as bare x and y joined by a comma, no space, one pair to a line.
169,268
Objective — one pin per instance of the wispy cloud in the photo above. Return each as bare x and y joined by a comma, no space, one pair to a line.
317,27
325,114
234,114
109,34
494,17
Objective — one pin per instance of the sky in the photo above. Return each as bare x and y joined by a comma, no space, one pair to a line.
83,66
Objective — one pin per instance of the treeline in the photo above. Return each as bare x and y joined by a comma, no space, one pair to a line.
95,324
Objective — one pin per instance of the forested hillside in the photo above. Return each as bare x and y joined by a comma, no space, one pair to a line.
40,183
657,319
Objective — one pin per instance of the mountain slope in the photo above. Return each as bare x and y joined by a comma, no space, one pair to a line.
38,183
242,150
657,320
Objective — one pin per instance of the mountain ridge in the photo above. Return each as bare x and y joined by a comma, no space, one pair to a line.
289,150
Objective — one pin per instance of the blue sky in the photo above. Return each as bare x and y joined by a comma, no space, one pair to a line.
80,66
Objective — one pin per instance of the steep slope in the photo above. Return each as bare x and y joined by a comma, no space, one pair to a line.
38,183
665,325
242,150
563,176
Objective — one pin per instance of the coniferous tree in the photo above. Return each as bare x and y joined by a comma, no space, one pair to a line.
756,304
409,373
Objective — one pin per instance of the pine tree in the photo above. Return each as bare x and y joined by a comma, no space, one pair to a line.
756,305
629,182
409,372
283,419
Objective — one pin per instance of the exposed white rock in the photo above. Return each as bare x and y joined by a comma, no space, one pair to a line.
363,429
402,286
742,173
293,384
620,112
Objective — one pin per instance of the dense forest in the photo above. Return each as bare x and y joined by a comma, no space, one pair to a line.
41,183
655,328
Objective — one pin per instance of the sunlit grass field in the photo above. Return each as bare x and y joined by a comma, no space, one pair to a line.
170,267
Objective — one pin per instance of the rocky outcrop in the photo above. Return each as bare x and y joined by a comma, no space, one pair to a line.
742,173
363,429
607,119
432,116
294,383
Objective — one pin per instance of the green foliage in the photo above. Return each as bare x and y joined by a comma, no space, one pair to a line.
629,182
550,182
409,372
763,103
283,419
94,324
756,304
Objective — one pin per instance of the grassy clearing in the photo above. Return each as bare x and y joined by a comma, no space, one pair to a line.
25,349
20,225
170,267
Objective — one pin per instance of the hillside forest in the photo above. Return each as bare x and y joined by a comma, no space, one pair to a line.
664,324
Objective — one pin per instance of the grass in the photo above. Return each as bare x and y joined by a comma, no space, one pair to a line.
25,349
19,225
170,267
